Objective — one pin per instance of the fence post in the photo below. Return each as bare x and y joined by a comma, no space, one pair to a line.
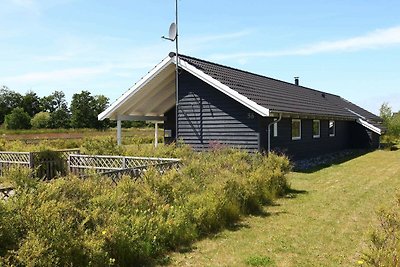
123,163
31,160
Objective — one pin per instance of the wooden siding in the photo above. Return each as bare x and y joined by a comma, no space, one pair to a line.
208,117
308,146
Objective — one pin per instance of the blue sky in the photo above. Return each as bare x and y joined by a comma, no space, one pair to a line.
349,48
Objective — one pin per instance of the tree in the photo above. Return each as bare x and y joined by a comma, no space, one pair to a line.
394,125
60,118
8,101
54,102
31,103
385,112
85,108
41,120
57,106
17,119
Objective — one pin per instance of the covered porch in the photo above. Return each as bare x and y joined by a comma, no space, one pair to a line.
152,99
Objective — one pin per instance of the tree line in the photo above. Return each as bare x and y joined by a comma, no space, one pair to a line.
27,111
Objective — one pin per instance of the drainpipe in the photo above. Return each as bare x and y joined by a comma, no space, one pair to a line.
269,131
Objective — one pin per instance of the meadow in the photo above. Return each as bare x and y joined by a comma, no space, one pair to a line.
327,220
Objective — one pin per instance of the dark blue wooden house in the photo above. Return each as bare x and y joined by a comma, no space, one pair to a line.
222,105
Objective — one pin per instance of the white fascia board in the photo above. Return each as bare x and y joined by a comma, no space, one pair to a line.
369,126
223,88
135,88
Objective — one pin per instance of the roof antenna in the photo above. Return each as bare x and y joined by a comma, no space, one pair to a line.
173,37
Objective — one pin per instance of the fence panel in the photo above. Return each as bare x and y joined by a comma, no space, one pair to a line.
117,166
14,159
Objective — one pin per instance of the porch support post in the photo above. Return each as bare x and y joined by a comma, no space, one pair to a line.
119,132
156,134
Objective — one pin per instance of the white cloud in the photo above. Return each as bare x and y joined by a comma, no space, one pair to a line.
374,40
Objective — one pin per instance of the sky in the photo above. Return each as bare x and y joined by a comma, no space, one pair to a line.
348,48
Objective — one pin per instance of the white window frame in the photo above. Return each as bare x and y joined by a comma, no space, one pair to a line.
319,129
275,128
296,137
334,128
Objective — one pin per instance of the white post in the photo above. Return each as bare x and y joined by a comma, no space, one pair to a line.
156,135
119,140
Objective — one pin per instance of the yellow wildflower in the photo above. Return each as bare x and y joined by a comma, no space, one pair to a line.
360,262
104,232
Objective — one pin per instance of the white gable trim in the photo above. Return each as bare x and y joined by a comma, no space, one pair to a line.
109,112
135,88
369,126
223,88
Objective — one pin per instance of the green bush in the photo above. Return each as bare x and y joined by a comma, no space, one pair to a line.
384,247
17,119
41,120
92,222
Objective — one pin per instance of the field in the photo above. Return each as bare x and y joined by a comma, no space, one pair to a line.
29,136
326,220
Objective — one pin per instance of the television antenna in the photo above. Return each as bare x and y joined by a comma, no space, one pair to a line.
173,37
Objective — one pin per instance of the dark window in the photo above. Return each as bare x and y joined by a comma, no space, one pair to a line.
316,128
331,128
296,129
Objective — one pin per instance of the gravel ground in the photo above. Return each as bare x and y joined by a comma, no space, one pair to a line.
326,159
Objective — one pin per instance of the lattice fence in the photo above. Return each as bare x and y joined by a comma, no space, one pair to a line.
15,159
117,166
47,164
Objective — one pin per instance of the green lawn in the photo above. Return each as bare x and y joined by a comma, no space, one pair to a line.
326,223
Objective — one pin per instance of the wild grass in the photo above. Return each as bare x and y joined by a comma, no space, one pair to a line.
92,222
326,220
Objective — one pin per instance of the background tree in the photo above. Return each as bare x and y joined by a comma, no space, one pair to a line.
8,101
60,118
31,103
385,112
85,108
53,102
41,120
17,119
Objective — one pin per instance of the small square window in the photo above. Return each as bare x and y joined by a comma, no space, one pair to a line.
316,128
331,128
296,129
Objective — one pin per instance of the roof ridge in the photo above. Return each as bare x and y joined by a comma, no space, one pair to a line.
252,73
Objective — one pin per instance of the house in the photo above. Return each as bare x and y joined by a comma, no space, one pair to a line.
220,104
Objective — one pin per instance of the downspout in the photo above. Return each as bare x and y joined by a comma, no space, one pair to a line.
269,131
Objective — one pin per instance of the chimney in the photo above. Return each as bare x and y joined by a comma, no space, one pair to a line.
296,81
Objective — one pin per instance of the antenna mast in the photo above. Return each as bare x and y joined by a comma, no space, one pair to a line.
176,71
173,37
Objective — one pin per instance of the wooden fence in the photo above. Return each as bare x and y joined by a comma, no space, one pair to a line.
46,164
117,166
49,164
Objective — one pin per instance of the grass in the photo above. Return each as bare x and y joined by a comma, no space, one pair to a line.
325,221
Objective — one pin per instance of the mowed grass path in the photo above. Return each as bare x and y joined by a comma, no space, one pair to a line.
326,225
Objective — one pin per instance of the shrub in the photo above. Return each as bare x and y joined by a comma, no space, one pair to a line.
76,222
101,146
384,247
17,119
41,120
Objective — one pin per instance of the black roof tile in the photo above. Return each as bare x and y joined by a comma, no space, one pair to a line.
280,96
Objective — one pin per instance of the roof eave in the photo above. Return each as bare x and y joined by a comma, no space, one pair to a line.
109,112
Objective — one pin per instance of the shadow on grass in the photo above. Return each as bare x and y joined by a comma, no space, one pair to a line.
329,160
293,193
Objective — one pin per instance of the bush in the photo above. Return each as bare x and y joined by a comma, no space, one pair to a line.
76,222
17,119
385,240
41,120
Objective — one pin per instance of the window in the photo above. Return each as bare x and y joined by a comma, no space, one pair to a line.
275,128
296,129
331,128
316,128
